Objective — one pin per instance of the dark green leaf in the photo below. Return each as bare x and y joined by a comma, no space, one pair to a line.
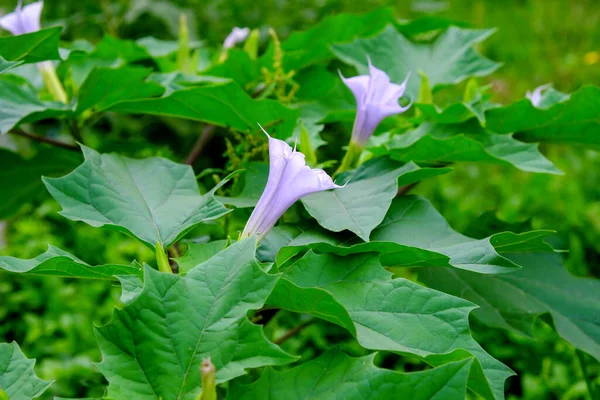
153,199
17,379
336,375
238,67
449,59
56,262
513,301
389,314
31,47
154,346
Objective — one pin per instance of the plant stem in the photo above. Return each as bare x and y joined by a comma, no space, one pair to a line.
350,160
582,364
46,140
52,82
406,188
294,331
75,131
207,134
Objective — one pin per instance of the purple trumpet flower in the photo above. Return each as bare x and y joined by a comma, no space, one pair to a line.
536,96
23,19
289,180
376,98
236,36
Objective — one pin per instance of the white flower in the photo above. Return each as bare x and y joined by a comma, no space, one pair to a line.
536,95
236,36
23,19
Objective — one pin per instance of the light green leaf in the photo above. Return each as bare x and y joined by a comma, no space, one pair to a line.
154,346
362,204
576,120
513,301
449,59
153,199
224,105
196,254
56,262
17,379
311,46
21,180
106,87
6,65
438,143
391,314
20,104
31,47
335,375
412,234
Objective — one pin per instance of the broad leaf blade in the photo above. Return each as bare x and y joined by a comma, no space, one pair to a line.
514,300
7,65
17,379
154,346
31,47
336,375
56,262
449,59
154,199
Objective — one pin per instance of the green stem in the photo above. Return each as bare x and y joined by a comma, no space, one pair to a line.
351,158
162,260
183,54
52,82
582,364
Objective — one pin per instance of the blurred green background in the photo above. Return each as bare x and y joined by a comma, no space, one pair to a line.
539,41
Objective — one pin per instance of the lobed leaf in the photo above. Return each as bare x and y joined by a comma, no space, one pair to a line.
18,381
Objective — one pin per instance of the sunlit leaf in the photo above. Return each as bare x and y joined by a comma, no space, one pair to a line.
17,379
31,47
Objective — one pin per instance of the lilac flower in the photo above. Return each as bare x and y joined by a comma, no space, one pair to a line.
236,36
23,19
289,180
536,95
376,98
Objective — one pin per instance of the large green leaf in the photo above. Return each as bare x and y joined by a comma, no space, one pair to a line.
362,204
576,120
154,199
17,379
31,47
335,375
224,105
442,143
238,67
21,180
6,65
56,262
20,104
413,233
449,59
196,254
154,346
311,46
389,314
105,87
513,301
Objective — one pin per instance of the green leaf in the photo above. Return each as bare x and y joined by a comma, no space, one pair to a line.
223,105
17,379
337,375
177,81
6,65
255,180
153,199
238,67
311,46
20,104
363,203
21,180
56,262
576,120
390,314
438,143
106,87
449,59
31,47
514,300
154,346
414,234
196,254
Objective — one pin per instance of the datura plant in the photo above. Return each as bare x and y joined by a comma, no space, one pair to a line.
259,235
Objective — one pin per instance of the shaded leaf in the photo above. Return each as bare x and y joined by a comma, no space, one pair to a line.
154,346
449,59
513,301
7,65
17,379
56,262
32,47
337,375
154,199
391,314
238,67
